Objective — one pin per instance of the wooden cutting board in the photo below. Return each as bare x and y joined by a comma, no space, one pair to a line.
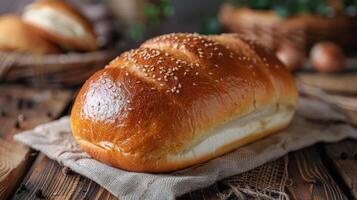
339,90
345,83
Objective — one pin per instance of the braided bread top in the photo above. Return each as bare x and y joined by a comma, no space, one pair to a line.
168,96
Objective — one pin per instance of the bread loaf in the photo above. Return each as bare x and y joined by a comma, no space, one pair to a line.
182,99
62,24
16,35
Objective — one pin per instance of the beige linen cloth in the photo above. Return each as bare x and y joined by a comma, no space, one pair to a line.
314,122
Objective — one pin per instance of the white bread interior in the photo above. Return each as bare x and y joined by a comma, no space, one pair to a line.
260,122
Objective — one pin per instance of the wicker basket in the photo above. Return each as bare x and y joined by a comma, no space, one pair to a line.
302,30
64,70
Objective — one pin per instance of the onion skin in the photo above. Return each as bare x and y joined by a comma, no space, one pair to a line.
327,57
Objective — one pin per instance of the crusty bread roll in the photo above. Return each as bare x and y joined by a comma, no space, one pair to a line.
182,99
62,24
15,35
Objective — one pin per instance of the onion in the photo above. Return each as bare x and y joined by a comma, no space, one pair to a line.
327,57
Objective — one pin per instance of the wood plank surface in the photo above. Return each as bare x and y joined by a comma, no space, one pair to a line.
212,193
23,108
338,83
343,157
49,180
310,179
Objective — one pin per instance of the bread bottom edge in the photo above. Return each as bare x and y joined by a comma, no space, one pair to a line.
268,126
234,137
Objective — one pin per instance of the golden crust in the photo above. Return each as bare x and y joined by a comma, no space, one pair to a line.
64,9
15,35
165,96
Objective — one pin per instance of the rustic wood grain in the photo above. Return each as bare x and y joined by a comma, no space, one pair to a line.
310,178
343,157
20,109
49,180
348,103
211,193
57,182
342,83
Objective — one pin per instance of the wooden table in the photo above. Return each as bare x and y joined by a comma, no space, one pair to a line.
324,171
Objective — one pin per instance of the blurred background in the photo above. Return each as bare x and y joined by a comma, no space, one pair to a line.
155,17
317,37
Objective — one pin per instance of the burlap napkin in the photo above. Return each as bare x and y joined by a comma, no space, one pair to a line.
54,139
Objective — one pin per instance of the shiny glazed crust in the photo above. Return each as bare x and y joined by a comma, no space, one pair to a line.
15,35
87,42
167,97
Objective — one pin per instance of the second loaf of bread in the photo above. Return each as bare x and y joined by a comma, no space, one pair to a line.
182,99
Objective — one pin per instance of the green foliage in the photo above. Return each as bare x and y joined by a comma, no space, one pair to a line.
351,7
211,26
154,13
158,10
285,8
136,31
